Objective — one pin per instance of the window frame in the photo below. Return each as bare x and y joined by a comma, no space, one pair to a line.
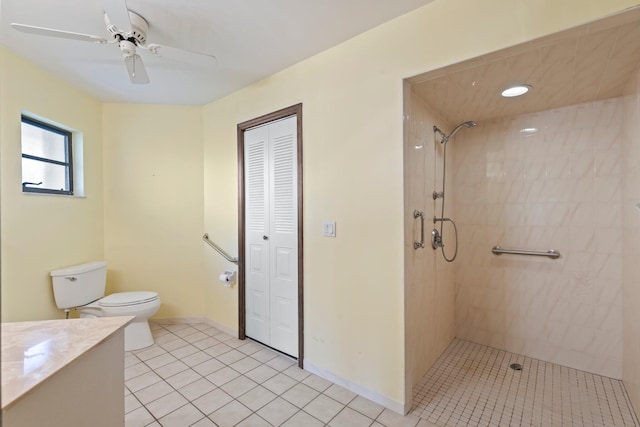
68,164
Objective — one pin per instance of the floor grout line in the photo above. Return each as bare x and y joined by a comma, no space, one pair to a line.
179,334
469,385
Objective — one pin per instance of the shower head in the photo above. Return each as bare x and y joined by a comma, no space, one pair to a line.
468,124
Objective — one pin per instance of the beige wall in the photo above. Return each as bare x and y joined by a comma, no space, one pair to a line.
353,301
353,174
153,186
558,188
353,171
631,239
429,292
41,233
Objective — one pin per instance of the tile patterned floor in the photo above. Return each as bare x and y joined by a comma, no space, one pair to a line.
472,385
196,375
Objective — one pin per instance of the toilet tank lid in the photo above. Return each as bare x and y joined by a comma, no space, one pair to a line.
128,298
79,269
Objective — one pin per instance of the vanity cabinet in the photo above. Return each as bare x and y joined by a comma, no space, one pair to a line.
63,372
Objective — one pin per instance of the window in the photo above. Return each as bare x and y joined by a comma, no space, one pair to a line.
46,158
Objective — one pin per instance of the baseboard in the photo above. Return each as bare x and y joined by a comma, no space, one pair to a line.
408,406
395,406
224,328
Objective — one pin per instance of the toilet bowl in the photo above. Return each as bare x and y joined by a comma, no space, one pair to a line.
82,287
142,305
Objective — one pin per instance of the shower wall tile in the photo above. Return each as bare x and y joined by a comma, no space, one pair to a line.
559,188
629,216
429,281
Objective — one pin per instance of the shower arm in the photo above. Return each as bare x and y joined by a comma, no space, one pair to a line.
446,138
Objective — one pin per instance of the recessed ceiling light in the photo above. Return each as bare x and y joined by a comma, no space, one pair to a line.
516,90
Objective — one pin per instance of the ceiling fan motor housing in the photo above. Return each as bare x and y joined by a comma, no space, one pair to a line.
139,28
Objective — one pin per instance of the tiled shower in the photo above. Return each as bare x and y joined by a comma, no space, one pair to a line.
556,169
558,188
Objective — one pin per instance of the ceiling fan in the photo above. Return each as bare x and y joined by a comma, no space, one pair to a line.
126,28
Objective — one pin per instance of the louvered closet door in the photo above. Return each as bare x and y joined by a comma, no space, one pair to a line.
272,235
256,228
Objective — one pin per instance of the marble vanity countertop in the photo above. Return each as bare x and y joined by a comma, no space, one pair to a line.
34,351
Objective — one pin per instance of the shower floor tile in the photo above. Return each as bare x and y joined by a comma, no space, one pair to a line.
473,385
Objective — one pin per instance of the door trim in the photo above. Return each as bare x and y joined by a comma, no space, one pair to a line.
241,128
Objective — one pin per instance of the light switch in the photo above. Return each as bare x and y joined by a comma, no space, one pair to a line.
329,228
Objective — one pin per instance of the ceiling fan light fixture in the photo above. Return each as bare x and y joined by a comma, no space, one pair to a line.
516,90
136,70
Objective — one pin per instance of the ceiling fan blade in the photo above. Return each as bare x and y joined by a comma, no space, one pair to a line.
118,14
177,53
41,31
135,67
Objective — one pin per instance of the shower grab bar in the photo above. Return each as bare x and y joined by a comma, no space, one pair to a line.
551,253
218,249
420,244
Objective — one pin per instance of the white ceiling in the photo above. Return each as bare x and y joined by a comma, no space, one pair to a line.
251,40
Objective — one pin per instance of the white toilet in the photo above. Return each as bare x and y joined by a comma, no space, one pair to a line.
82,287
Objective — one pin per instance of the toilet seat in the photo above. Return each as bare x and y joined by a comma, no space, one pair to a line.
122,299
140,309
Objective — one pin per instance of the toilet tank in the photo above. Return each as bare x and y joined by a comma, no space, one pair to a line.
80,284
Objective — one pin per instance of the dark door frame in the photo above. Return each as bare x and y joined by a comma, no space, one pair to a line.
242,127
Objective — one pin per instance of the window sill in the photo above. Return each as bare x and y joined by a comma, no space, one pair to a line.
72,196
